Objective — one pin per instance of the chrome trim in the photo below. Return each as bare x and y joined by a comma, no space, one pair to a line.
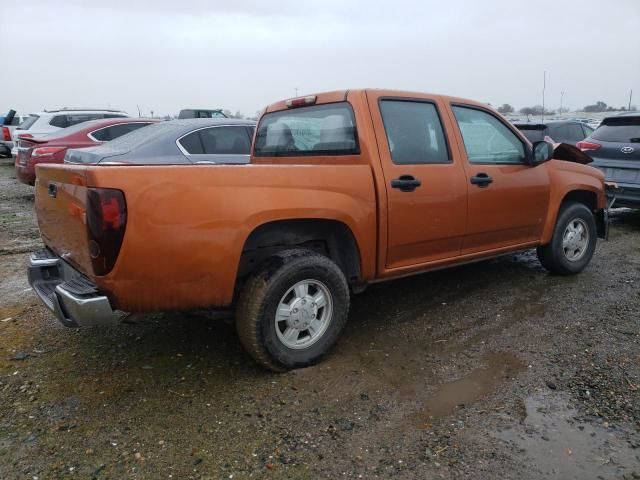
187,154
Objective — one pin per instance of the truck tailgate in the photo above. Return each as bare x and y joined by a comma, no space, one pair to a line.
61,198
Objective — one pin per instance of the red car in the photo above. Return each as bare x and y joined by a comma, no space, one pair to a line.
53,147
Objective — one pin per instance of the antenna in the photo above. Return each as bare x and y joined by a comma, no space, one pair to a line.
544,86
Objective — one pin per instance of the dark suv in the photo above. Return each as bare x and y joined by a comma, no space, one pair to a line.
615,149
561,131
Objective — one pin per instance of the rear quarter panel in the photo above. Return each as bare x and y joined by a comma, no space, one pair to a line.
187,225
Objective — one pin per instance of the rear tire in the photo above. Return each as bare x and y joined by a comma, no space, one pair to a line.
573,242
292,310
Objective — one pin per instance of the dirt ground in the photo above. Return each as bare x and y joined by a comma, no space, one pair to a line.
493,370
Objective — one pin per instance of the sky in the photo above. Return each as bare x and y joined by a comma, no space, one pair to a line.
241,55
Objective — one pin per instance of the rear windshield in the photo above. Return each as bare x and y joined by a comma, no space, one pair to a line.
534,133
316,130
26,125
623,130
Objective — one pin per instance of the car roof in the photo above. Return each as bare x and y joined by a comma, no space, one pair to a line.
90,126
78,110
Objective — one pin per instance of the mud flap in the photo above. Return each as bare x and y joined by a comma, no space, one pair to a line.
602,223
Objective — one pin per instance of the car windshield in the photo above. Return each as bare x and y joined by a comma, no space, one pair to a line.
622,130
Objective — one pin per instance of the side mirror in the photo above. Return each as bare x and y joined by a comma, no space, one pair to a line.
542,152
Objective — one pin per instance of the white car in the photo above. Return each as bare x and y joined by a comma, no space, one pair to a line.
48,121
6,134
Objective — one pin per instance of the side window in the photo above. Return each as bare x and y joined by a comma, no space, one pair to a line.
487,139
110,133
217,141
414,132
64,121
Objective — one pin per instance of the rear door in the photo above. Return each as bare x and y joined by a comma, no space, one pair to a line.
508,199
424,180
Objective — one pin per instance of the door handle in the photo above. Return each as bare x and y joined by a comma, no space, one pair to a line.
482,180
406,183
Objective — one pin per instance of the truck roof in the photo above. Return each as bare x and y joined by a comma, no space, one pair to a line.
341,95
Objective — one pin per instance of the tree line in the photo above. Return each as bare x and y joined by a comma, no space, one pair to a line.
599,106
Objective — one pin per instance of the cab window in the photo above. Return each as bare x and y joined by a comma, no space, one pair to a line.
486,139
414,132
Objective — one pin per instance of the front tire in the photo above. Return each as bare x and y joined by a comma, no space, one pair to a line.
573,242
292,310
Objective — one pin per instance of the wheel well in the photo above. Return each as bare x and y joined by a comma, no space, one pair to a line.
328,237
586,197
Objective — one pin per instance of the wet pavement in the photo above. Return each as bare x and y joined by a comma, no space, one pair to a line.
491,370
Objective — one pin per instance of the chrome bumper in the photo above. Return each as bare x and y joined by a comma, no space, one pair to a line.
73,299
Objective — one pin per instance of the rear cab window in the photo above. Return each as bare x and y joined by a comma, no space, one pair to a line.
317,130
620,130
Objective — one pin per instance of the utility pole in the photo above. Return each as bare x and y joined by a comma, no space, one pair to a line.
561,95
630,95
139,114
544,86
296,89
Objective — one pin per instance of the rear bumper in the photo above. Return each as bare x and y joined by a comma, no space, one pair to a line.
73,299
624,196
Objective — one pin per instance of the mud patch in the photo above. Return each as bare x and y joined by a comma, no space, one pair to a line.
561,446
500,367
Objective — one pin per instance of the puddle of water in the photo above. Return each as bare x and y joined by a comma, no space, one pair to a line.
561,447
500,367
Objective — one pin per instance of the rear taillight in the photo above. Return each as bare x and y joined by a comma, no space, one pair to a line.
6,134
106,222
42,151
586,146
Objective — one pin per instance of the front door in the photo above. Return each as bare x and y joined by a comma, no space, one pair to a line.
424,180
508,199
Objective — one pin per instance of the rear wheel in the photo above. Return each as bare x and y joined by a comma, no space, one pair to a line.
573,242
292,311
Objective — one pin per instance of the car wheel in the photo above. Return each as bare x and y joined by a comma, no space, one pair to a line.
573,242
292,310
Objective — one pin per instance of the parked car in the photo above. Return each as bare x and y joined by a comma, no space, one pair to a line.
615,149
50,121
52,148
343,189
201,113
8,124
561,131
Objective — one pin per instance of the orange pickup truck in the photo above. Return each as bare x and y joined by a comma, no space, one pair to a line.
342,189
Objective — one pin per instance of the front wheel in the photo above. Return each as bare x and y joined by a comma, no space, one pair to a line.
573,242
292,311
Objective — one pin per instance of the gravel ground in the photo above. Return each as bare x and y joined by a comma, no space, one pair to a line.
493,370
